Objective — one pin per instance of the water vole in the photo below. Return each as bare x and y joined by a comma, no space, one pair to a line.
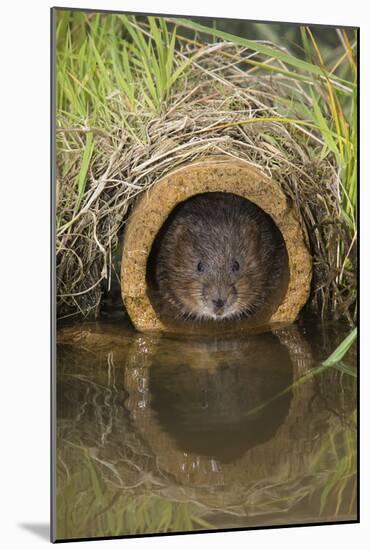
217,257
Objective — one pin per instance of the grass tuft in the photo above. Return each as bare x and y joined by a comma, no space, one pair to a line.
138,97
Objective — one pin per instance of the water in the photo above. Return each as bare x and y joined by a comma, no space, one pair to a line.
169,434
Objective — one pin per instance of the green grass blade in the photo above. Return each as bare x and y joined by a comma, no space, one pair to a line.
86,159
341,350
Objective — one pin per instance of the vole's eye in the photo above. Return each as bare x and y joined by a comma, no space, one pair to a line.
200,267
235,266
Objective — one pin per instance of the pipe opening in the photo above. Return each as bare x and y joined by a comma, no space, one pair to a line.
274,254
218,261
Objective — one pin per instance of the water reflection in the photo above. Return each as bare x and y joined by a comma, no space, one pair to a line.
205,397
167,433
207,408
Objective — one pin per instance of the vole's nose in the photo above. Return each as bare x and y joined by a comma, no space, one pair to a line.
218,303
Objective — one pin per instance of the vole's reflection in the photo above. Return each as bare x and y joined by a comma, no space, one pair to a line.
216,398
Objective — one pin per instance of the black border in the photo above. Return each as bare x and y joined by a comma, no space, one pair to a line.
358,273
53,275
53,538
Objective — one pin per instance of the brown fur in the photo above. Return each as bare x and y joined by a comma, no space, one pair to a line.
219,257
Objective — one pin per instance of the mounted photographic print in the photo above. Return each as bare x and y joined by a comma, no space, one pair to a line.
204,209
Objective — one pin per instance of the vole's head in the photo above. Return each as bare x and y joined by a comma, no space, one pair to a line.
210,263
